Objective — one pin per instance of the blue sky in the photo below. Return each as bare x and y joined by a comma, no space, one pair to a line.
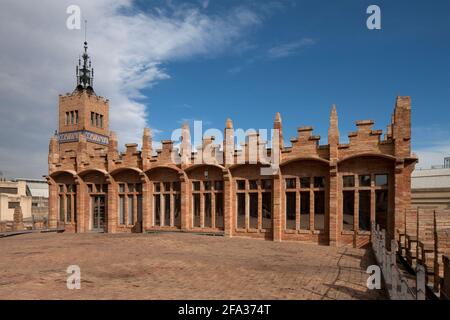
360,70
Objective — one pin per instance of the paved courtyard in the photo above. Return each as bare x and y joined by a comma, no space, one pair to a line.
179,266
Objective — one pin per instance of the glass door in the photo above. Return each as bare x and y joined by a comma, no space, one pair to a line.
98,213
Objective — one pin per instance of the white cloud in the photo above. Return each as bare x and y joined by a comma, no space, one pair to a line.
291,48
129,50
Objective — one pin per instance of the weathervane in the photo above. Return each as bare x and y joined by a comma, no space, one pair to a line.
84,70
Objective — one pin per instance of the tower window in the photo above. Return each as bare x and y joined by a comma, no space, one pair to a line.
92,118
76,116
66,121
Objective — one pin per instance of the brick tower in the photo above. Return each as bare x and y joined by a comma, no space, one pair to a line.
83,116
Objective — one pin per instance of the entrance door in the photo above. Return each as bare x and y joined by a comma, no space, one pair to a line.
98,213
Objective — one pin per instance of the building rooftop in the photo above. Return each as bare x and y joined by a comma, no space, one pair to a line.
430,178
36,187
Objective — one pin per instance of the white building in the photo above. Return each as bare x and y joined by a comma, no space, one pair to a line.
13,194
38,190
431,188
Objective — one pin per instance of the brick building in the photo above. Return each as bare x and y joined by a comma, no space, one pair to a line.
327,194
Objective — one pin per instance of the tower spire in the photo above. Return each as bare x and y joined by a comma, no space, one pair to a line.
84,70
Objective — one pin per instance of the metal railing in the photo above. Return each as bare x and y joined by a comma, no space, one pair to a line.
397,285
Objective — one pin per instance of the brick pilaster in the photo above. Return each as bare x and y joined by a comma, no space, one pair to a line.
334,225
83,210
277,219
52,203
112,212
186,214
228,211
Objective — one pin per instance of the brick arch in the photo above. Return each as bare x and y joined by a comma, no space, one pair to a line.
300,166
127,174
371,162
57,174
83,173
215,172
245,170
316,159
368,155
161,173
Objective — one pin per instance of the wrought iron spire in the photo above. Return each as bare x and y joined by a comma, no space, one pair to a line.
84,71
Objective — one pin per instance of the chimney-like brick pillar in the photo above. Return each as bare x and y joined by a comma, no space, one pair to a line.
334,217
228,145
146,148
403,165
277,125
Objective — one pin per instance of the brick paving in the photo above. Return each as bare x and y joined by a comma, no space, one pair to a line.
179,266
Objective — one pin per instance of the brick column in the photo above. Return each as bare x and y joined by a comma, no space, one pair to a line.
112,210
213,209
228,204
83,210
260,210
311,205
172,209
399,205
356,216
202,206
334,221
162,205
52,204
297,209
186,216
147,205
277,225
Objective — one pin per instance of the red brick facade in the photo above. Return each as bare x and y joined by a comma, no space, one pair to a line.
327,194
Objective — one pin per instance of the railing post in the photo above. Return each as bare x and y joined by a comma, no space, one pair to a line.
383,250
420,282
393,267
396,284
403,290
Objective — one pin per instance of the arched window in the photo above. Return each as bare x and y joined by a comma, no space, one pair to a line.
254,203
67,202
130,201
167,204
165,201
305,185
207,200
365,192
